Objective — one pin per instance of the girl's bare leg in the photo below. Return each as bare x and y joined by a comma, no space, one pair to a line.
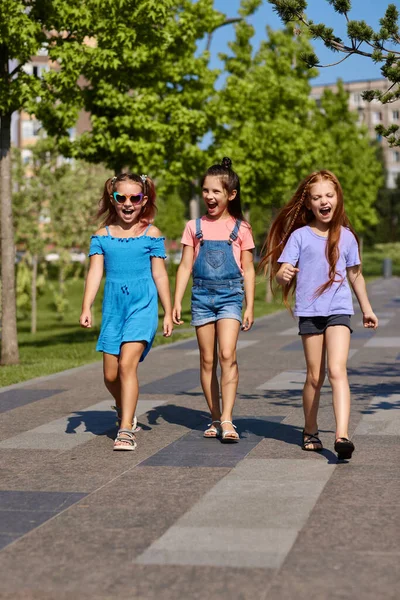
314,352
128,364
337,345
111,376
207,340
228,332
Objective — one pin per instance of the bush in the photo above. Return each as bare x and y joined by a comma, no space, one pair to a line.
372,260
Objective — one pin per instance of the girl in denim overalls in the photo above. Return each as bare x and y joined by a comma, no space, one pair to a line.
218,250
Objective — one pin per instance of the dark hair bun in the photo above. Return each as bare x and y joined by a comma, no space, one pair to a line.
226,163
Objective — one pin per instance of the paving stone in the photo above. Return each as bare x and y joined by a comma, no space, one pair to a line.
222,546
178,382
240,346
374,449
336,576
217,583
383,342
362,334
15,500
21,397
295,346
72,430
269,491
282,470
366,531
6,539
19,522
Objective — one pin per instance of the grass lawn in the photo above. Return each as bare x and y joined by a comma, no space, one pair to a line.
61,344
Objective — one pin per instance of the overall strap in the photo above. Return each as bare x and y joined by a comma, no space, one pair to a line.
108,231
147,228
199,233
235,232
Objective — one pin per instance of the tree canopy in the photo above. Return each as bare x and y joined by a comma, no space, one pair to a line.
379,45
140,69
132,64
267,121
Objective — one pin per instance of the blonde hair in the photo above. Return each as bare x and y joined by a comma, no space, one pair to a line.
107,210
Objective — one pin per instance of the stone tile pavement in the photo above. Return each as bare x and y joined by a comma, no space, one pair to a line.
185,517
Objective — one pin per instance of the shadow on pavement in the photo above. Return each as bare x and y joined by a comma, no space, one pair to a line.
97,422
179,415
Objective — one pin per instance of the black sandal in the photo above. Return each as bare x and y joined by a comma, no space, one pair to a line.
344,448
312,439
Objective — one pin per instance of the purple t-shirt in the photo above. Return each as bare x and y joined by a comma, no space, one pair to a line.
306,250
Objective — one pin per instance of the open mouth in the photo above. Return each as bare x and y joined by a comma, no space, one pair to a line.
212,205
325,211
127,211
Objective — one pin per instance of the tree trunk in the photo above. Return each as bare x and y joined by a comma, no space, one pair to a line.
34,293
9,342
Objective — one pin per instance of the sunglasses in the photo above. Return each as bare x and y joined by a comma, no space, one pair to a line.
121,198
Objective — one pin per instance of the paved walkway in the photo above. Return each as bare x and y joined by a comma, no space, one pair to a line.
185,517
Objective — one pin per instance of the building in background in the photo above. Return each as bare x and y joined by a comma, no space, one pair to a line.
371,114
25,129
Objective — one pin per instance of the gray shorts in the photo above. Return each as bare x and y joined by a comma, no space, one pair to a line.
318,325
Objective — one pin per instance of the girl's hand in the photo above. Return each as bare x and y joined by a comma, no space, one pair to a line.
168,326
86,319
370,320
248,320
176,314
288,272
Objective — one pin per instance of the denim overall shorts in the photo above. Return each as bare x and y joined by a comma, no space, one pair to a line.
217,291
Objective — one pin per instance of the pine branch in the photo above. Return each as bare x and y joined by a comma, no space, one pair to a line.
226,22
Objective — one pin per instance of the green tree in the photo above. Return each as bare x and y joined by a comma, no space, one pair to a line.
170,216
73,192
347,150
263,119
387,228
57,203
377,45
276,133
132,64
29,200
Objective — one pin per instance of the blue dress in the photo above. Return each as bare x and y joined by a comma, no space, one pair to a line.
130,301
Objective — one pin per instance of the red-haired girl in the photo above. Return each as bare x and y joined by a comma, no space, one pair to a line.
311,243
131,250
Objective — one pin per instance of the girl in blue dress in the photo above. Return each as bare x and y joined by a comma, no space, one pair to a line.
132,252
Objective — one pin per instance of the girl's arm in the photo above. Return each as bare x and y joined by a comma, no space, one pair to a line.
286,273
161,280
249,275
182,278
92,285
160,277
358,284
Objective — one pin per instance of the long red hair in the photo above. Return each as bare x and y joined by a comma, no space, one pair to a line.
296,214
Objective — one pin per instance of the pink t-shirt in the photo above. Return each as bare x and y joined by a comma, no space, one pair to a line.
219,230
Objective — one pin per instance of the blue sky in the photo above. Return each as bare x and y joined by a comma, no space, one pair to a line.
354,68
